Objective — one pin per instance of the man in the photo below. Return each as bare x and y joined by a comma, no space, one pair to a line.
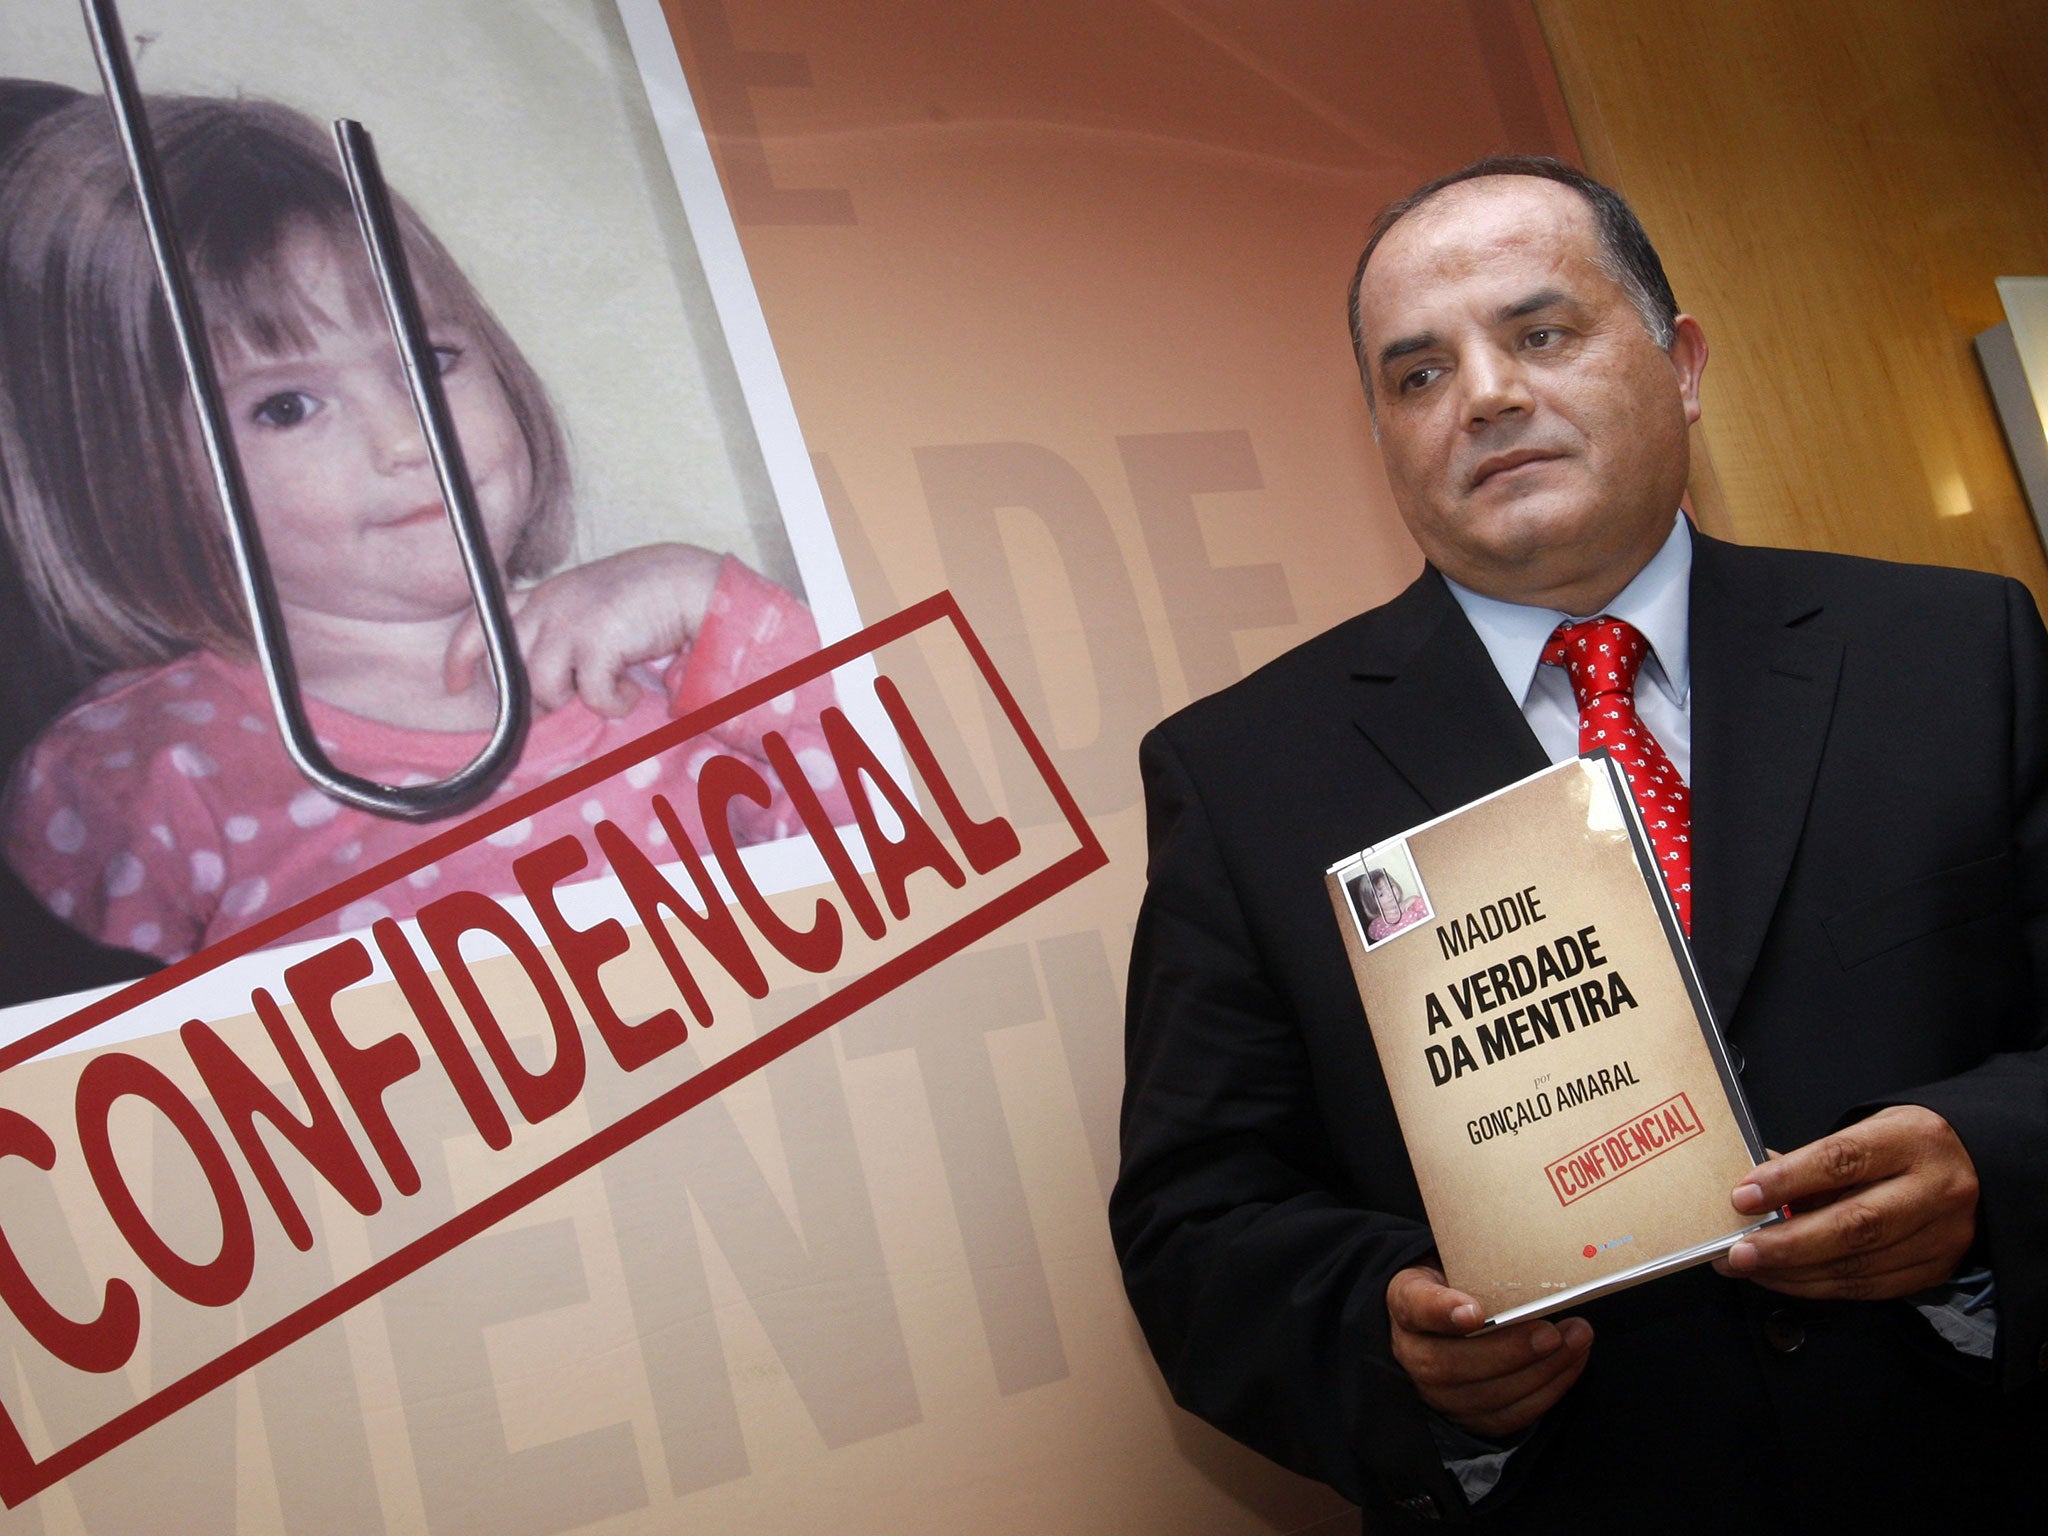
1867,753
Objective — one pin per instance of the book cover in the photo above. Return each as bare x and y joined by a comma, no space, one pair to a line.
1567,1101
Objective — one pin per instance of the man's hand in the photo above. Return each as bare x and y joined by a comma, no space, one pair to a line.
1493,1384
1883,1208
580,629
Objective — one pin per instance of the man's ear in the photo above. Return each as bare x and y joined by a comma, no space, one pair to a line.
1688,353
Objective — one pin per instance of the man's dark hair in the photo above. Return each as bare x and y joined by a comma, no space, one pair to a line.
1626,254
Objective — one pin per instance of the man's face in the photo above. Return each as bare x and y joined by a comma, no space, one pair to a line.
1533,432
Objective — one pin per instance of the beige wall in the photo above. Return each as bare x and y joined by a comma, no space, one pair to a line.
1833,186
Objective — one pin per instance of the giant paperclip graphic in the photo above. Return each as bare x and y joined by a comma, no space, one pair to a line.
372,202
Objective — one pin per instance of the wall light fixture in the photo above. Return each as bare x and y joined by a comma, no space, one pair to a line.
2015,361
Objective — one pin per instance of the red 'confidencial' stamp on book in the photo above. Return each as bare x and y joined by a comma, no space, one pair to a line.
1628,1146
281,1077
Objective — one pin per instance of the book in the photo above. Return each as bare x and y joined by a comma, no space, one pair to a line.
1569,1106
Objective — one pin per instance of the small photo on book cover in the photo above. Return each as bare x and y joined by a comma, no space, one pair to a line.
1387,895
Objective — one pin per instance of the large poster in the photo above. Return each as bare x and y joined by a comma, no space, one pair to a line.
714,1126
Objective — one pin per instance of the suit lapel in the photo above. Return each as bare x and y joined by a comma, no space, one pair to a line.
1430,701
1763,692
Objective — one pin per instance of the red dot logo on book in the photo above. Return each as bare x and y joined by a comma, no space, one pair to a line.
1591,1250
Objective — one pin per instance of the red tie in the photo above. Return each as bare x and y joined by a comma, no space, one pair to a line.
1601,657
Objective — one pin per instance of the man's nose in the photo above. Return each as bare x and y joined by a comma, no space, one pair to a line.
1496,385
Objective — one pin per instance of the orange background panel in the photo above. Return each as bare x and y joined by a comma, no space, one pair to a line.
1060,224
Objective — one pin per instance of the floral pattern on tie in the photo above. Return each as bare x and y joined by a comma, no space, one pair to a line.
1601,657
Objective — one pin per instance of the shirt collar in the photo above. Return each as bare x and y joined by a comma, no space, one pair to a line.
1657,602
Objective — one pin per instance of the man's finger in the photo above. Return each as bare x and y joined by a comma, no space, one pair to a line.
1898,1139
1822,1167
1505,1405
1513,1420
1858,1225
1494,1370
1920,1259
1565,1357
1436,1361
1918,1250
1821,1285
1418,1299
1891,1239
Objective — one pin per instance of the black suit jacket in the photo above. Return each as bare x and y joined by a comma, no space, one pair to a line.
1870,816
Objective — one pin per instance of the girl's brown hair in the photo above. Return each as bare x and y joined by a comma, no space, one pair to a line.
106,498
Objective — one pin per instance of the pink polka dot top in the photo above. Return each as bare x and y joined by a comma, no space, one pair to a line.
160,812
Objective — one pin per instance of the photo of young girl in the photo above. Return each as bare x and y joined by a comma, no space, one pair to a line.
158,812
1380,894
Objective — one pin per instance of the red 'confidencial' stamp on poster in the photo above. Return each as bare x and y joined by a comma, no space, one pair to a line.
280,1076
1628,1146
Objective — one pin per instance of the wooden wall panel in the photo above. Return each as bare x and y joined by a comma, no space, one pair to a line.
1833,186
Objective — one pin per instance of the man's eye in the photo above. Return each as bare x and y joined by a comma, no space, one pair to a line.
1418,378
287,408
1543,336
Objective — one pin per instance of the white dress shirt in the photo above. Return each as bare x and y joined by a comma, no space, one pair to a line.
1657,603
